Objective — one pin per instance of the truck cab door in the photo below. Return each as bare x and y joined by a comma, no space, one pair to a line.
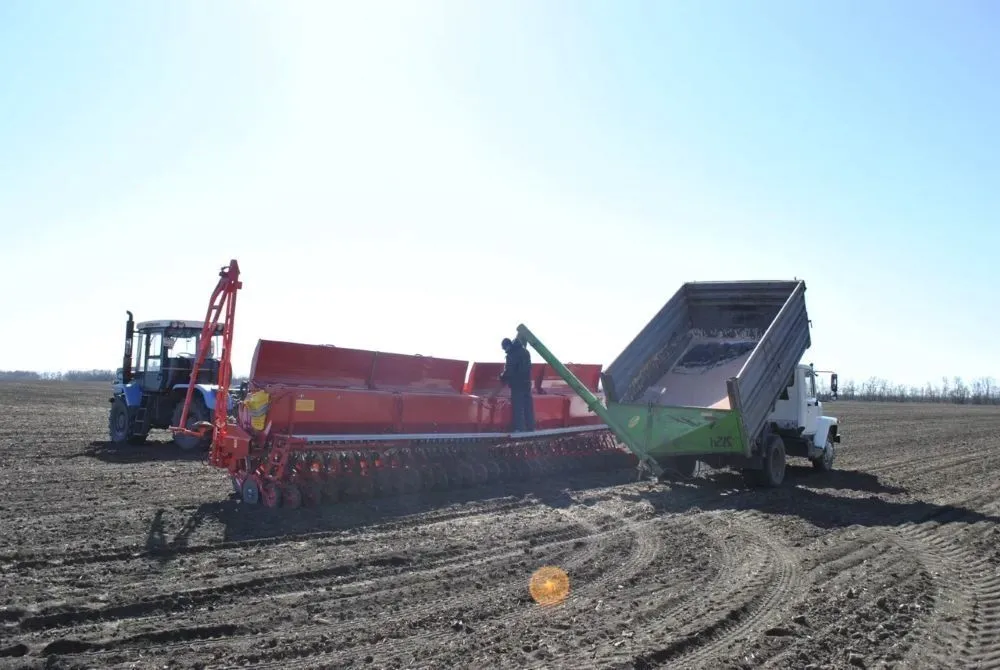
809,411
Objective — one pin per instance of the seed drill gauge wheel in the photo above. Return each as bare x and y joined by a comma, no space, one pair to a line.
270,494
291,496
251,491
312,494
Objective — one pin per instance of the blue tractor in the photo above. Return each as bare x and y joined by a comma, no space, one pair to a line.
156,371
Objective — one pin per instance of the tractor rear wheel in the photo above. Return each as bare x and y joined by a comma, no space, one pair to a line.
120,425
196,413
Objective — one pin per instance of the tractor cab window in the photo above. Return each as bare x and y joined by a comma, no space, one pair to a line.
138,352
182,346
155,347
215,347
187,346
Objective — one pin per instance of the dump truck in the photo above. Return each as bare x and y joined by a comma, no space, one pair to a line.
716,376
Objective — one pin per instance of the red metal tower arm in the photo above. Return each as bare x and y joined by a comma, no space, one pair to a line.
223,300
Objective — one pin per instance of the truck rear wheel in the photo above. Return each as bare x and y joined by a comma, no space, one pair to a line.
772,472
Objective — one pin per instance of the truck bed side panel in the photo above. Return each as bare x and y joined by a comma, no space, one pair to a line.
744,309
651,353
772,363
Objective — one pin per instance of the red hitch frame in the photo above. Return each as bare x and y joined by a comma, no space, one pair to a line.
223,299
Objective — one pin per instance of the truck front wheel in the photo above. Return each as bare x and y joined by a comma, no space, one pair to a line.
825,462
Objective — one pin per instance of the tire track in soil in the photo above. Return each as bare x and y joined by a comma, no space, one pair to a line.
343,628
368,516
772,587
129,609
607,529
496,598
640,559
688,603
283,583
20,561
458,564
909,467
646,620
643,548
350,604
957,574
175,636
877,611
967,596
969,591
770,573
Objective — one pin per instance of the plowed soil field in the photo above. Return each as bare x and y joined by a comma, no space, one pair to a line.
142,558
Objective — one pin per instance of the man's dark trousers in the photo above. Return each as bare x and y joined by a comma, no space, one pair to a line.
522,408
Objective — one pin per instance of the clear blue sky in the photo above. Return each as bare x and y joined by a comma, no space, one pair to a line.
421,177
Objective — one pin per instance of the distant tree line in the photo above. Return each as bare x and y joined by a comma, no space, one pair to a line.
980,391
72,376
69,376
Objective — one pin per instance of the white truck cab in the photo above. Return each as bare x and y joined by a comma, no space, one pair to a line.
797,415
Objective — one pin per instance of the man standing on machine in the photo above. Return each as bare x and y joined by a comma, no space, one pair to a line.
517,375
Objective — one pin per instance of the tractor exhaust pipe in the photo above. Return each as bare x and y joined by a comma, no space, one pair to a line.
127,358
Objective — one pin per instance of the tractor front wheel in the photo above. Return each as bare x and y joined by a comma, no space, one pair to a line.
120,425
196,413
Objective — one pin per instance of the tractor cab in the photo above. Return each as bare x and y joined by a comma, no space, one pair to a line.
163,354
150,386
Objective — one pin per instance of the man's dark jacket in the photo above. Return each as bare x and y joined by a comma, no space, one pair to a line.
517,370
